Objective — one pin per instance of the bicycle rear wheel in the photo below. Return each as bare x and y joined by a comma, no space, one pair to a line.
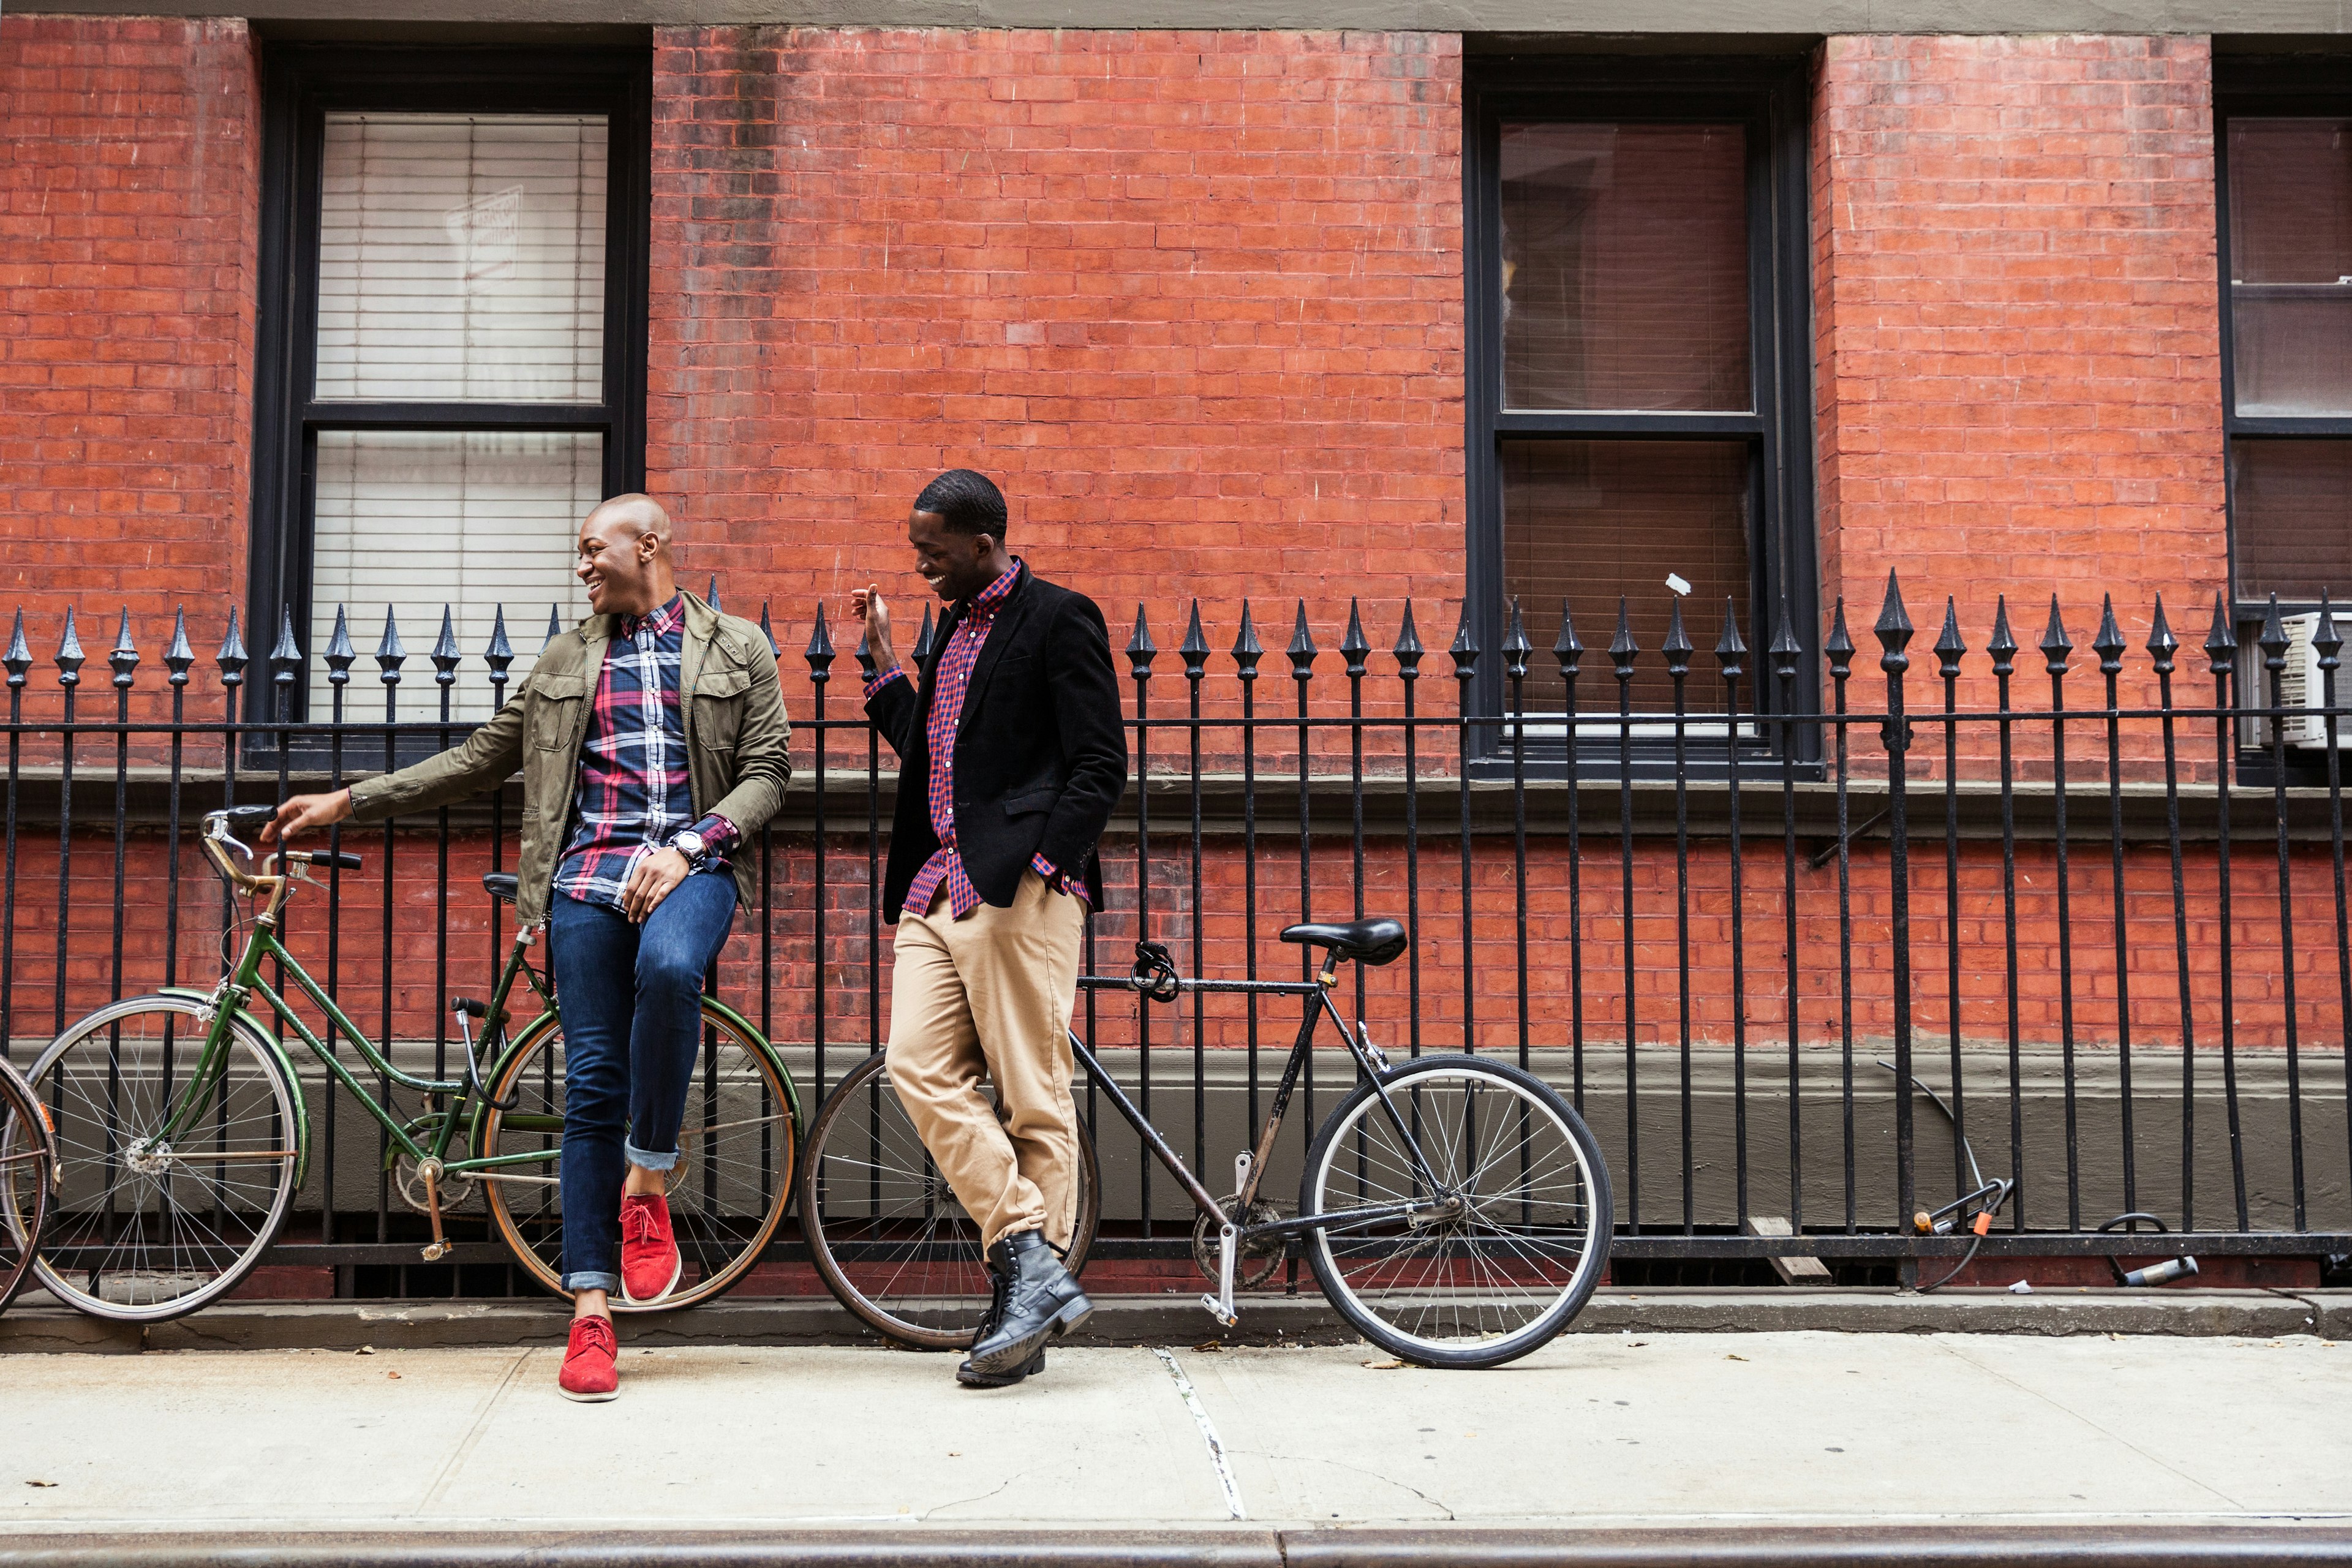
885,1230
727,1194
146,1229
27,1180
1508,1241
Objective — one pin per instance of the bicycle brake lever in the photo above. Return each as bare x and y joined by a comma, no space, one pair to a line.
463,1008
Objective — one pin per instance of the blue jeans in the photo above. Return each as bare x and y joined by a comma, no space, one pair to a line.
632,1001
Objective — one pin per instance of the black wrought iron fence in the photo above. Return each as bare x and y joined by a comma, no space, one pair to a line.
1811,956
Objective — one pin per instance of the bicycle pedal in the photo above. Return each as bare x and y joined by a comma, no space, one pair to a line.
436,1252
1218,1312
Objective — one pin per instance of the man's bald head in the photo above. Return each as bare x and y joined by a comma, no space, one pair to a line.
624,556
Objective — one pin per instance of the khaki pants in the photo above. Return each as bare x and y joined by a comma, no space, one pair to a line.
990,994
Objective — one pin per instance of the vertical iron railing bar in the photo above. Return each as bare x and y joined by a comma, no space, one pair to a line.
389,656
1839,648
1247,652
1949,650
1354,650
286,662
1568,652
819,657
2161,646
1408,653
1678,650
2274,646
1515,652
1622,651
2327,642
497,656
1464,653
19,660
339,658
69,662
124,662
2109,645
1141,652
2055,646
1893,631
2221,653
1194,652
445,656
1786,653
2003,649
1301,654
1729,652
177,658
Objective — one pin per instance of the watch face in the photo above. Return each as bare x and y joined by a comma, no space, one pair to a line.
689,845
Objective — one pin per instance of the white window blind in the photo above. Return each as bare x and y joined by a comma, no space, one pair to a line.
419,519
461,259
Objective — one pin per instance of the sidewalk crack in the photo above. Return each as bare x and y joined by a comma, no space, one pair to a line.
475,1431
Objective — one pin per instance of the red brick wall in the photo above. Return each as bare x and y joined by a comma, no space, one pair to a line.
2018,386
1194,299
127,219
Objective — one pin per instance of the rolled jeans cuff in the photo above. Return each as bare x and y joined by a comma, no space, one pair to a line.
588,1280
640,1157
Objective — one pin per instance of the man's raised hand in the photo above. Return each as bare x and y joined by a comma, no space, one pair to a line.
299,814
866,604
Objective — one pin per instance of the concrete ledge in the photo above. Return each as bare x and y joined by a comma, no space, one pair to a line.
1179,1320
1952,1545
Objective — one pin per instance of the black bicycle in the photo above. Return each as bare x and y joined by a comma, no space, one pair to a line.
1453,1208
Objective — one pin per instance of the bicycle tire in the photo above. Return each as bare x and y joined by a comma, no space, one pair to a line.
105,1077
725,1205
28,1159
863,1243
1474,1290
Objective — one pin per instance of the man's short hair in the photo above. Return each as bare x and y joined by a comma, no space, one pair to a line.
967,502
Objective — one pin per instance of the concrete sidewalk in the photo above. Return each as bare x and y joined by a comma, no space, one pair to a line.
1596,1433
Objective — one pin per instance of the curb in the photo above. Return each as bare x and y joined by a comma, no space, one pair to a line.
1177,1319
1938,1546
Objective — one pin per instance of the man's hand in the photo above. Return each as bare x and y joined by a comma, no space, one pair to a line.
656,877
302,813
866,604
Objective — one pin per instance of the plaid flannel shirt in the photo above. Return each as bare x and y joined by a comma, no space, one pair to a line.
634,793
949,677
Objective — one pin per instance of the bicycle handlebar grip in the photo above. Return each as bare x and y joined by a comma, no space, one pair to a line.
346,860
468,1006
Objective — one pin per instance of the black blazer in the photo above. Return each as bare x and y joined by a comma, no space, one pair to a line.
1040,753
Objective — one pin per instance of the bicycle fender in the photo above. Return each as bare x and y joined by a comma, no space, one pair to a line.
744,1028
243,1021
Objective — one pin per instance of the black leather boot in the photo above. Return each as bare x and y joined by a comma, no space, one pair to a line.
1041,1300
970,1376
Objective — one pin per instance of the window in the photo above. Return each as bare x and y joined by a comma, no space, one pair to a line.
1639,373
453,345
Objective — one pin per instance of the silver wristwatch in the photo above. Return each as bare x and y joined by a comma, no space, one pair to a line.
690,844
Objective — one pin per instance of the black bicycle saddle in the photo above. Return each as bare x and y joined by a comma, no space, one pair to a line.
1377,939
499,885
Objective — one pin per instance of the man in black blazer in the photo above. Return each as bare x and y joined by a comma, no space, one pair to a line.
1012,755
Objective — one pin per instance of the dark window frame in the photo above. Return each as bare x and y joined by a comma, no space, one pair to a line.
302,84
2260,86
1768,95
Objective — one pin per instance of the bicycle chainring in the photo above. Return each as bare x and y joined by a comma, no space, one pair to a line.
456,1186
1258,1259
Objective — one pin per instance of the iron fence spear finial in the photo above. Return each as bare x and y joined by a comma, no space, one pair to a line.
1140,649
1622,649
1950,646
446,652
711,598
2221,641
820,653
179,657
497,656
2273,639
1408,650
1894,629
922,650
340,653
2161,643
1730,650
1567,650
2055,644
2108,644
2003,646
554,627
1354,646
1677,647
389,652
1194,650
1247,650
19,657
1517,649
232,657
69,654
1786,649
2324,638
768,630
124,658
1302,649
1839,646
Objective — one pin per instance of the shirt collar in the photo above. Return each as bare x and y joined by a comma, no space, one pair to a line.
658,622
985,602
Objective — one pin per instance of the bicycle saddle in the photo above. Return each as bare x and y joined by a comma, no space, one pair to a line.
1375,941
499,885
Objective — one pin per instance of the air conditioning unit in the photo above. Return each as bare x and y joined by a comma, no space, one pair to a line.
2303,694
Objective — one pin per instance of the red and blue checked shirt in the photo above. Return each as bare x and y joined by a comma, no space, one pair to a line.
950,676
635,794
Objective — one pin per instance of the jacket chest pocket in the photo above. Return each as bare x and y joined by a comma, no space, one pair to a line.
719,708
555,716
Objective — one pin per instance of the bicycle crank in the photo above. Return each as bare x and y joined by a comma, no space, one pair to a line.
1255,1260
452,1188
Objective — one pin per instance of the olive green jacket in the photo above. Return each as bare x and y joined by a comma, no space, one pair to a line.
736,737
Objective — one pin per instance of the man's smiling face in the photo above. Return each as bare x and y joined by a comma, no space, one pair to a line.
615,563
956,565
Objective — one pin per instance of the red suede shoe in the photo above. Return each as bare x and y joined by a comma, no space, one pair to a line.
589,1375
650,1266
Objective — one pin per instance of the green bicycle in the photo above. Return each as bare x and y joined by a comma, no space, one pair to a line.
183,1133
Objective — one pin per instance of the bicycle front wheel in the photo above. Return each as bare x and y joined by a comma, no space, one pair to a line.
27,1180
149,1227
886,1231
1466,1212
728,1193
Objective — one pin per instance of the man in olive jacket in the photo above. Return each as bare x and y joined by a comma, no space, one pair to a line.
651,742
